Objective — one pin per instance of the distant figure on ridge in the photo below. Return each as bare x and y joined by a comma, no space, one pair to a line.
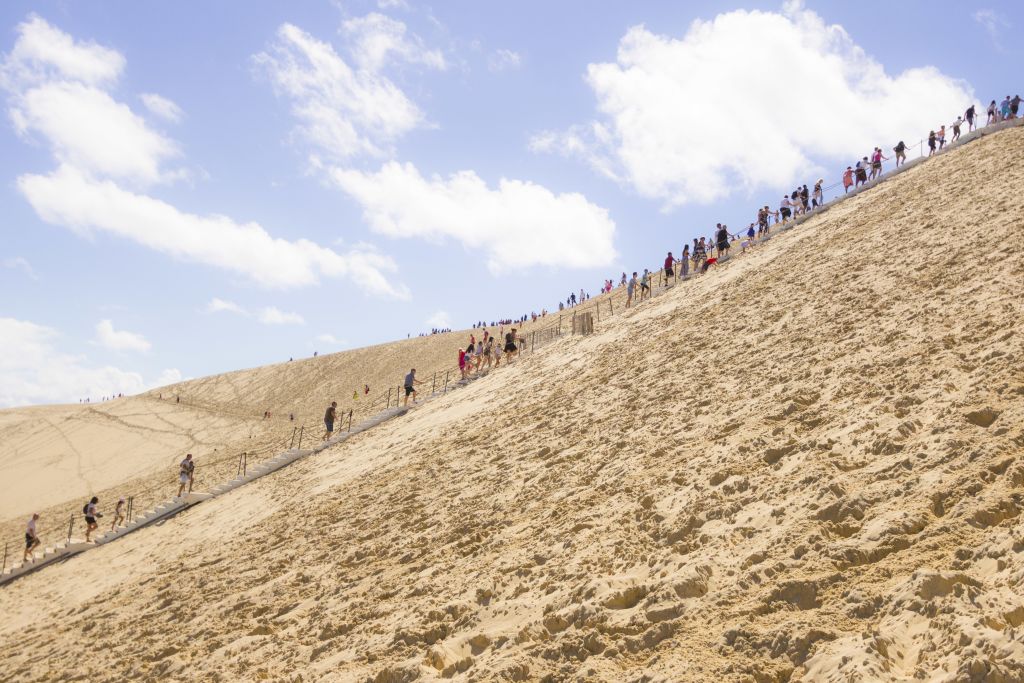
31,538
186,469
329,416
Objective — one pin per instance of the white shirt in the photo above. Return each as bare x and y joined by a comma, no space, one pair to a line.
31,528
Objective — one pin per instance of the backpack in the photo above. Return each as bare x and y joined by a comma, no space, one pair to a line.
85,509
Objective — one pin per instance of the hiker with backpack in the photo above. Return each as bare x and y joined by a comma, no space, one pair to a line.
91,513
185,472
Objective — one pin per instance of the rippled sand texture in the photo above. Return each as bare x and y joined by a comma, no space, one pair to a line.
806,465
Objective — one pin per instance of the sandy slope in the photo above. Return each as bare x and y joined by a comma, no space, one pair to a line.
805,466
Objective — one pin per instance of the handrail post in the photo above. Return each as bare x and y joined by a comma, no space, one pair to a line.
3,567
388,405
245,462
292,443
128,515
350,420
446,381
301,430
71,525
433,384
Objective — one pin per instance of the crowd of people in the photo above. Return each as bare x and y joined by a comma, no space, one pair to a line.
489,350
91,512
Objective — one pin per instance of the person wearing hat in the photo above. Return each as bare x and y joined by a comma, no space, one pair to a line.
118,514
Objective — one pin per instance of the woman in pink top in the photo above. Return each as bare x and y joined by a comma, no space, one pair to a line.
848,178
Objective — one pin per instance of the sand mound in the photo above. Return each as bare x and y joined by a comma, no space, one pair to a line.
805,466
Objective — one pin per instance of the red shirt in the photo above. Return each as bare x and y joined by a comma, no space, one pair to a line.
668,262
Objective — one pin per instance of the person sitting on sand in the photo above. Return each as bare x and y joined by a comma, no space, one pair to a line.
31,538
118,514
91,513
411,382
185,471
329,416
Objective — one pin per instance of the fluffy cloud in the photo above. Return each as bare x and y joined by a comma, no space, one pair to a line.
331,339
270,315
440,320
519,224
162,107
119,340
33,370
57,87
746,100
502,59
994,24
220,305
20,263
344,111
88,129
275,316
43,52
376,39
67,197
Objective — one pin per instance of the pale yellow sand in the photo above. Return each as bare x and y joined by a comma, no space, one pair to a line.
804,466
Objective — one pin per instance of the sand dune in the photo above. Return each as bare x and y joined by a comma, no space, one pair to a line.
806,465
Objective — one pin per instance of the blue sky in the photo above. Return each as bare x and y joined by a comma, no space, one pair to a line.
199,187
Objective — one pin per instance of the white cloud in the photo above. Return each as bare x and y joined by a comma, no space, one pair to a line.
744,101
162,107
88,129
22,264
275,316
376,39
43,52
502,59
119,340
96,140
331,339
994,24
393,4
440,320
33,370
67,197
519,224
220,305
344,111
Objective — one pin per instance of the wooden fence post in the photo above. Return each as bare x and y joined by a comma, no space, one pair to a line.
71,525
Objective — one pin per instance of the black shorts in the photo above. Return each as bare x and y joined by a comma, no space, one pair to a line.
90,520
329,424
785,212
408,390
510,348
29,540
723,246
643,287
668,272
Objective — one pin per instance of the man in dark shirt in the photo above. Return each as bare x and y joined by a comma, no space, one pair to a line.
329,416
410,386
